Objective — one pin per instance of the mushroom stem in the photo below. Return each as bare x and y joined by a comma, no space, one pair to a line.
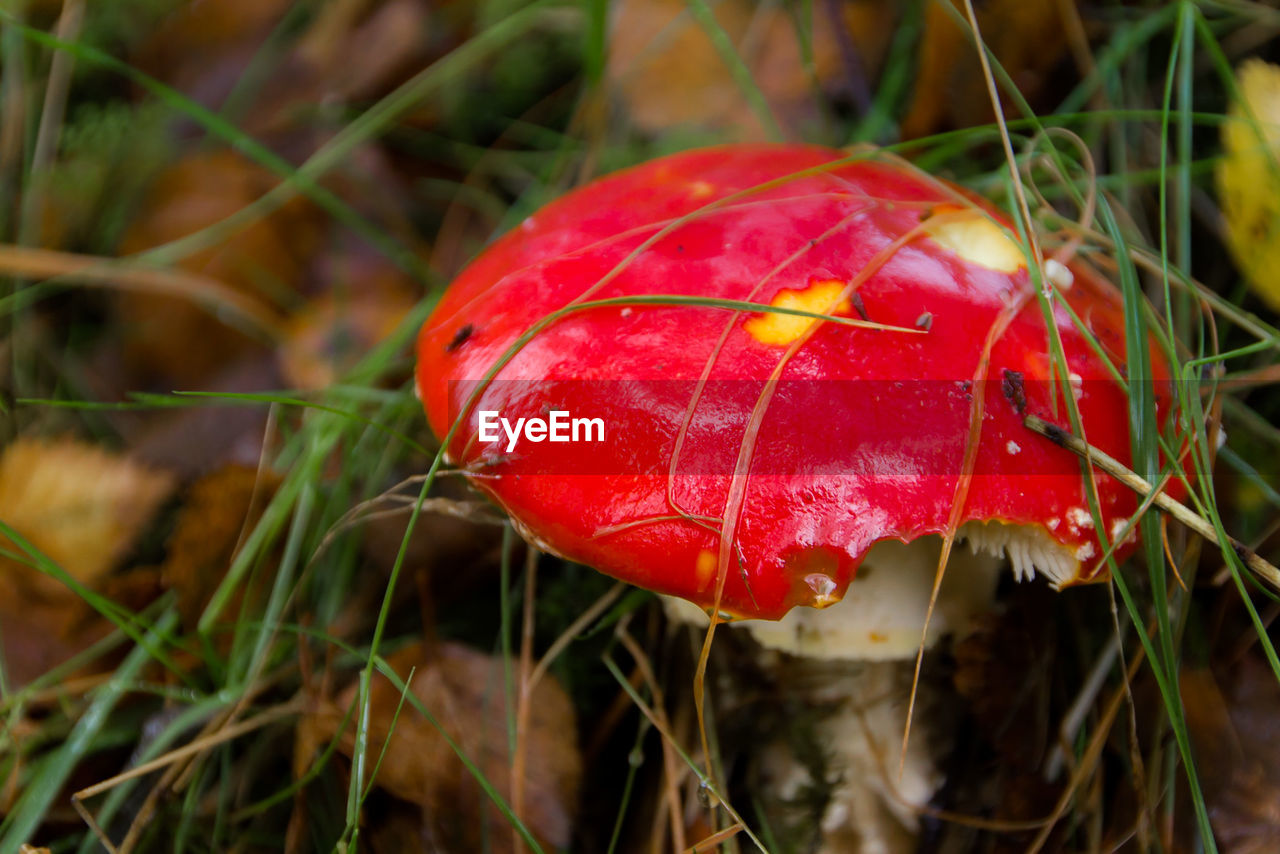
854,660
1184,514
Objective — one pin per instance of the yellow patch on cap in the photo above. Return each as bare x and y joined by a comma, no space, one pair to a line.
705,568
782,329
701,189
975,237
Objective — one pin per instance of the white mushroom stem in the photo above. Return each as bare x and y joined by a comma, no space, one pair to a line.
857,656
871,810
882,615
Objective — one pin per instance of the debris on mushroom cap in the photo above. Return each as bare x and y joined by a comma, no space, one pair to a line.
764,452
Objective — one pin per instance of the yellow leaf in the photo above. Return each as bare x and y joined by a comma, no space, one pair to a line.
1249,178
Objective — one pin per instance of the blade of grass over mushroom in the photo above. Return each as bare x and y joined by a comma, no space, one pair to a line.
1144,447
1022,212
1205,528
20,824
1136,335
584,301
716,525
736,306
1030,247
1143,430
1022,218
1233,552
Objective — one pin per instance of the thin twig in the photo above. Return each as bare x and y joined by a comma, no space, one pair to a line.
570,634
229,305
1091,755
51,115
1109,464
201,744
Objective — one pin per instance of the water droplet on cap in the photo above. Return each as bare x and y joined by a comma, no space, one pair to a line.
823,587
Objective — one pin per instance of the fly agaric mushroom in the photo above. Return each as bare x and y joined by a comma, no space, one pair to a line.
752,456
764,451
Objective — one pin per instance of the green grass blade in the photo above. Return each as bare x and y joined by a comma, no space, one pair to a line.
24,819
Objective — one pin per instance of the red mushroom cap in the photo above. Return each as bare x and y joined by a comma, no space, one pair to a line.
765,449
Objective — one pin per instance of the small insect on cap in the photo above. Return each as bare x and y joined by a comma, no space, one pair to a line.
614,392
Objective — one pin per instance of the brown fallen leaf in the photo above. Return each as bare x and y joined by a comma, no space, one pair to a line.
202,48
334,331
195,440
668,71
176,340
359,49
345,51
219,510
82,506
37,636
351,52
463,689
1231,716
